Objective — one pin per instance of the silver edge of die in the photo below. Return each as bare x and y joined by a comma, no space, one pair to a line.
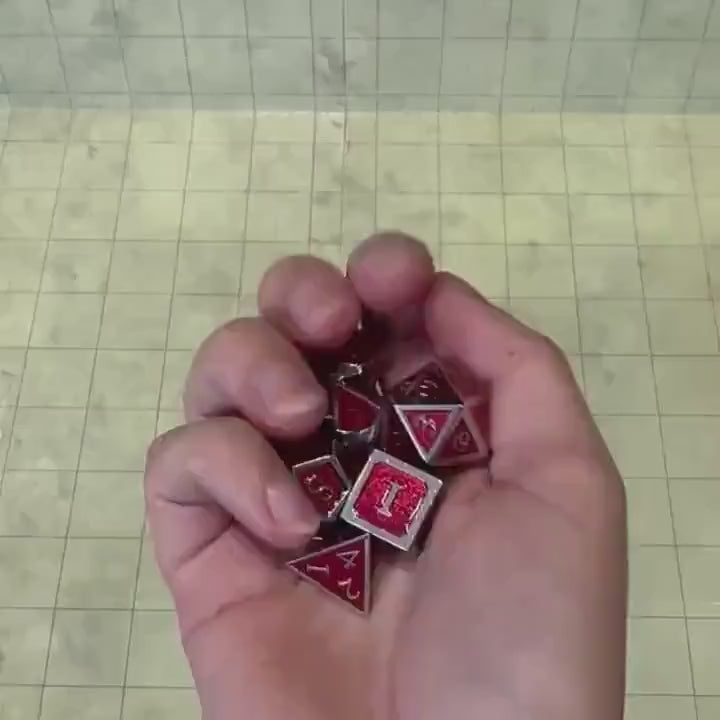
367,434
341,474
367,590
434,485
427,455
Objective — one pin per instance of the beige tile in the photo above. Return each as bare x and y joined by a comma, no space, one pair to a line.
45,439
146,703
16,317
281,126
654,583
24,637
20,265
685,385
223,126
209,268
135,322
648,510
39,123
152,592
26,213
593,128
12,362
99,573
88,647
57,378
709,209
360,126
100,124
156,166
329,159
66,320
31,165
555,318
414,168
700,572
713,264
662,170
30,568
35,503
97,166
667,220
531,128
708,708
214,216
19,703
533,170
259,257
76,266
281,166
619,384
469,128
706,166
278,217
658,659
613,326
194,317
330,126
142,267
408,127
531,219
674,272
337,255
682,327
219,167
149,215
690,445
85,215
597,170
358,218
358,168
472,219
326,220
156,656
607,272
635,444
540,271
659,707
127,379
81,703
704,638
483,266
702,129
169,419
117,439
655,130
414,214
107,504
161,125
695,506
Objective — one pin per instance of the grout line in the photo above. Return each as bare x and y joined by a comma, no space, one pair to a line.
438,239
662,435
631,69
85,417
696,62
244,241
313,154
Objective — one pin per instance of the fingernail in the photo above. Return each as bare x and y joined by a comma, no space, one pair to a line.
290,509
286,393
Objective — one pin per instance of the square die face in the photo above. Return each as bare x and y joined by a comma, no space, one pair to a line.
323,481
391,499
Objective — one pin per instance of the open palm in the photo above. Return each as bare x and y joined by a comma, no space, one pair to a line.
514,610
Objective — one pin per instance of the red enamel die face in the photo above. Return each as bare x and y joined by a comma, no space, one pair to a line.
324,482
342,570
428,386
391,499
353,411
428,425
463,444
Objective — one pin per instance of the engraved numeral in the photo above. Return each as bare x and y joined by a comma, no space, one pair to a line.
322,569
346,584
388,500
349,557
323,491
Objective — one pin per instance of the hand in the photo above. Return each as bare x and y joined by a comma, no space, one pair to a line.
516,608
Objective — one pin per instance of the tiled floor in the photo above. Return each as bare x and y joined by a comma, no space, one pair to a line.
123,241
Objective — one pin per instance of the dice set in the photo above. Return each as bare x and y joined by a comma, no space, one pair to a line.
370,469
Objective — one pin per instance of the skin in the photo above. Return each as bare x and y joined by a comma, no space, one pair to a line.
516,608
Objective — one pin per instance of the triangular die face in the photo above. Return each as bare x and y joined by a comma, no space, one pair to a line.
427,386
427,425
460,445
353,411
342,570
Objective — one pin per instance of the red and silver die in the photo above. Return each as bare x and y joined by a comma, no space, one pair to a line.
438,422
391,499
